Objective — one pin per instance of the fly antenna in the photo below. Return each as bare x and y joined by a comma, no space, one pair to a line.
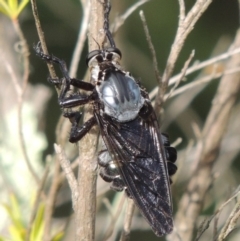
96,42
107,9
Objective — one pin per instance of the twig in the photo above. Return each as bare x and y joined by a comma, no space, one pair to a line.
73,165
50,203
231,222
114,215
215,227
119,21
87,173
66,166
82,35
215,214
202,80
128,220
177,142
20,91
182,11
151,47
184,28
207,151
37,201
197,67
183,72
41,37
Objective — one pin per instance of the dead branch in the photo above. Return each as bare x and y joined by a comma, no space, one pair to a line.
151,46
82,35
119,21
197,67
230,223
66,166
128,220
41,37
87,172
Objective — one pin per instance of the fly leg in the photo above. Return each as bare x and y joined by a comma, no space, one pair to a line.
73,100
78,132
63,67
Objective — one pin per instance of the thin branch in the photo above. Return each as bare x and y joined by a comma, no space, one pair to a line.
72,181
197,67
128,220
50,203
184,28
202,80
181,11
206,63
20,90
215,214
119,21
151,47
230,223
73,165
41,37
114,215
183,73
82,35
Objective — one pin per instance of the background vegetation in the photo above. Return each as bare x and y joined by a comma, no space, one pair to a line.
29,111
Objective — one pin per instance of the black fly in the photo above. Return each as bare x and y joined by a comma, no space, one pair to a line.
137,158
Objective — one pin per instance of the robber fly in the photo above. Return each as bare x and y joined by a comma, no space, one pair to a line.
137,157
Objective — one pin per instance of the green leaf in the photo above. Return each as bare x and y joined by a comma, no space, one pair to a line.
22,6
13,4
16,234
38,225
57,236
12,8
2,238
13,211
4,7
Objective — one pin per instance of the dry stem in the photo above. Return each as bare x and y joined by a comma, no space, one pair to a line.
66,166
151,47
119,21
82,35
41,37
197,67
87,173
20,90
230,223
128,220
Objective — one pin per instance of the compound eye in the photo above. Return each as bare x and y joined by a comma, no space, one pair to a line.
94,57
113,54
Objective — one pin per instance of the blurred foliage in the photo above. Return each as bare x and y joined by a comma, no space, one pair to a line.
12,8
18,227
61,20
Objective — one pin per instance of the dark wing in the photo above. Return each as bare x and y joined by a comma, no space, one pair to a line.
137,149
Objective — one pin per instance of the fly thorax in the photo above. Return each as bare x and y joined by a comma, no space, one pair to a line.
95,74
121,96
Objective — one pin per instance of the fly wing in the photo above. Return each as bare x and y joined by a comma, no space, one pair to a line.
137,149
